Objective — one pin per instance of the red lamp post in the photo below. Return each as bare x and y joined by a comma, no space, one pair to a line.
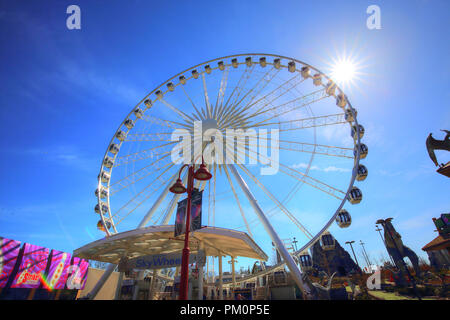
178,188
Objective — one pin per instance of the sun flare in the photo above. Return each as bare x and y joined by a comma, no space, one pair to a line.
343,71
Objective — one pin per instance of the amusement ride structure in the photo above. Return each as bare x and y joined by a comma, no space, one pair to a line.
277,101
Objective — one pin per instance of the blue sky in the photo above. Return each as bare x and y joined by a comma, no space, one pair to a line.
64,92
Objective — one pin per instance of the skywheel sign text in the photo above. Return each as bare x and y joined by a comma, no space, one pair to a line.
160,261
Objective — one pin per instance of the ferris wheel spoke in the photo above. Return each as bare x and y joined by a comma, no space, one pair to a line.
177,111
141,155
238,110
205,93
297,146
305,123
198,115
317,149
289,106
238,202
300,176
148,216
134,178
235,104
221,93
281,90
142,193
157,137
171,206
227,106
163,122
278,203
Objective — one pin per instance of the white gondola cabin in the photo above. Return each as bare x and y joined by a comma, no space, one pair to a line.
305,261
121,136
101,226
362,173
349,115
148,103
108,162
208,69
138,113
341,100
159,94
327,241
277,63
343,219
354,132
305,72
291,66
317,79
105,176
330,88
363,150
170,86
262,62
182,79
195,74
103,192
114,148
104,207
355,195
129,124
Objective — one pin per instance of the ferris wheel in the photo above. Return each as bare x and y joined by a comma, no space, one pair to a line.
316,132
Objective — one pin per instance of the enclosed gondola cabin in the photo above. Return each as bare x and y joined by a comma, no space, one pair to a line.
114,148
363,150
362,173
330,88
317,79
343,219
349,115
305,261
327,241
101,226
108,162
355,195
103,192
148,103
104,207
305,72
354,132
129,124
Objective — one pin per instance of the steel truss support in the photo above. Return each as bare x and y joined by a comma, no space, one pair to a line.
296,273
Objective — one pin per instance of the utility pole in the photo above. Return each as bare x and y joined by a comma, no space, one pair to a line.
354,255
295,244
384,242
365,253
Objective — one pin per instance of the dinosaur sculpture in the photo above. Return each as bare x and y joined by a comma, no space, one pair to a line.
396,248
318,292
433,144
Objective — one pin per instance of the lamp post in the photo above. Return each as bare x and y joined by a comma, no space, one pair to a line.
295,243
365,254
384,242
201,174
354,255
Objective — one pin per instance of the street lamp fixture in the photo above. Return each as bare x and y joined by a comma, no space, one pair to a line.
178,187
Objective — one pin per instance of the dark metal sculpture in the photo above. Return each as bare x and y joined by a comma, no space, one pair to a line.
433,144
397,250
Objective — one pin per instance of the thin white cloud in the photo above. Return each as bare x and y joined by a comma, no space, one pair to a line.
303,165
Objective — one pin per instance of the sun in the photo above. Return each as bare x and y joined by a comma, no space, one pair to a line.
343,71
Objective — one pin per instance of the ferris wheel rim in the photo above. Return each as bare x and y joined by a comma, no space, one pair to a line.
357,156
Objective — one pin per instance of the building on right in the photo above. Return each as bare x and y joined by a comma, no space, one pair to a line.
438,249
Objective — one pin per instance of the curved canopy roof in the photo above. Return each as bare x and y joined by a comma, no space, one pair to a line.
160,240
